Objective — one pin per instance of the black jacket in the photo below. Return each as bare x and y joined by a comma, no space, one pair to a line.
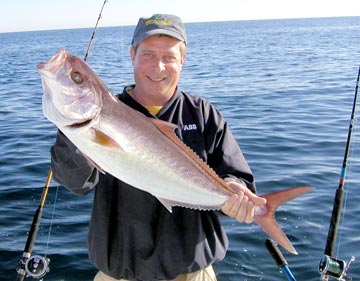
131,234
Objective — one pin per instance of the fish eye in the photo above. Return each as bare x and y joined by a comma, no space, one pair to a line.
76,77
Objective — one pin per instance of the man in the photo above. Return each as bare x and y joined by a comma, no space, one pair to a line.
132,236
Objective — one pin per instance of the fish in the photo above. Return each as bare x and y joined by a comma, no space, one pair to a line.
141,151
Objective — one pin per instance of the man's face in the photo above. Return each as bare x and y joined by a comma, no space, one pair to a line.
157,66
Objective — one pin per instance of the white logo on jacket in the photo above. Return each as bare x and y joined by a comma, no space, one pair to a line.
190,127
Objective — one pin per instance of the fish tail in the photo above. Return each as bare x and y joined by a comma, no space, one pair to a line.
265,218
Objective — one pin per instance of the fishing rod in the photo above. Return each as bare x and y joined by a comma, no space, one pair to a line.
36,266
279,259
93,34
330,266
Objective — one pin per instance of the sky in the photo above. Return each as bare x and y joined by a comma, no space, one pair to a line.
27,15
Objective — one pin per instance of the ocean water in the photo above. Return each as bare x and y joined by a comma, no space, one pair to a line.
286,88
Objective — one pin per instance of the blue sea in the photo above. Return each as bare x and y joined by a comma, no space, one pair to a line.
286,87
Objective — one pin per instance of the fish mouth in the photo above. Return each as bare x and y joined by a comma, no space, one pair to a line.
80,124
53,64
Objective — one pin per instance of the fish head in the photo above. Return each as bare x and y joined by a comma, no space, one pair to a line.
72,92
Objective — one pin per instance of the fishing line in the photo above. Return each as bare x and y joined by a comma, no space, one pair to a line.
33,265
122,68
93,33
352,155
51,221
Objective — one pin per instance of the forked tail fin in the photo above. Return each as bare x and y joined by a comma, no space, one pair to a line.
265,216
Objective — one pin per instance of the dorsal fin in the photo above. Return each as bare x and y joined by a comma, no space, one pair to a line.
168,130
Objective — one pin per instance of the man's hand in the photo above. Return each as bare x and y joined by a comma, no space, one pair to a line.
241,205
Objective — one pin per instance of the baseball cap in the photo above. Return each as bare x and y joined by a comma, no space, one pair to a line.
159,24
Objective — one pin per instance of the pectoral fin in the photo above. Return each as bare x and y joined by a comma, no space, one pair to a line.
103,139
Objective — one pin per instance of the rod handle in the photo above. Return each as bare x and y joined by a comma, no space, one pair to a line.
275,253
279,259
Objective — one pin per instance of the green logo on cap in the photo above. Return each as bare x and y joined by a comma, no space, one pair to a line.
159,22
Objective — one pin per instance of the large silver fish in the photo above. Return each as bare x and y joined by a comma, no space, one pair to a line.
141,151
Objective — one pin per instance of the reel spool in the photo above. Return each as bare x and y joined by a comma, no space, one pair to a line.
332,267
37,266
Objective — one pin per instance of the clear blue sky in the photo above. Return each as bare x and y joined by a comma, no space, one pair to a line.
25,15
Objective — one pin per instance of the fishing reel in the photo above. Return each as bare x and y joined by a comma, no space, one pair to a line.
35,266
331,267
